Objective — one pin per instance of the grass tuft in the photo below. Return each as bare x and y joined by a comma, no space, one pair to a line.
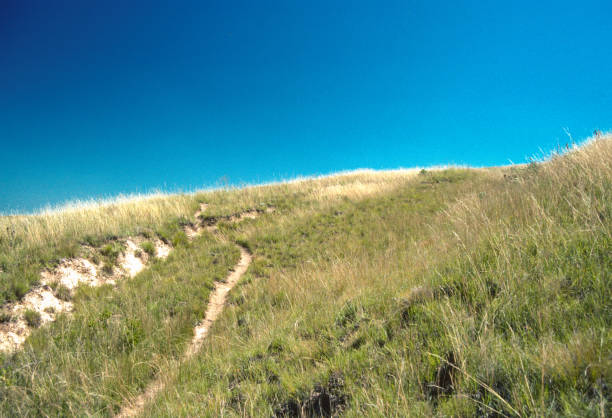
32,318
149,248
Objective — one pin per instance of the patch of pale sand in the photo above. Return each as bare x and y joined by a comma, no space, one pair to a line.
129,261
162,250
13,335
41,300
134,259
215,307
72,272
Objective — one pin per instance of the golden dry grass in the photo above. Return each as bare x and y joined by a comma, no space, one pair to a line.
109,217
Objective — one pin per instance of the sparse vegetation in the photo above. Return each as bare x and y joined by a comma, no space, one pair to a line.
108,268
63,293
32,318
45,238
454,292
5,317
111,252
148,248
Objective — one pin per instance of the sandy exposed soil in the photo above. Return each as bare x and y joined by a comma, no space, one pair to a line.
70,273
79,271
43,301
134,260
129,261
162,250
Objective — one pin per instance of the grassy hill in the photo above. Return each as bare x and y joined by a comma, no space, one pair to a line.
446,292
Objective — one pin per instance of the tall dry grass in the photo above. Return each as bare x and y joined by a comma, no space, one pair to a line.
113,217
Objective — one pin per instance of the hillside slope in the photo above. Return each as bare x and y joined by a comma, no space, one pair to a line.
440,292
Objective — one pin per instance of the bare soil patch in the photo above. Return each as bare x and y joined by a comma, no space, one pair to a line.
70,273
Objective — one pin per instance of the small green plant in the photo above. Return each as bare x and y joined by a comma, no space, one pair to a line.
180,239
108,268
4,263
112,251
5,317
32,318
132,335
20,289
62,292
92,240
148,248
167,231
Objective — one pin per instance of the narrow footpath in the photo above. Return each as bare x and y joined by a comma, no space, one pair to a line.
215,306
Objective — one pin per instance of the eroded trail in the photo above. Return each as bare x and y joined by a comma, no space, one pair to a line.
216,304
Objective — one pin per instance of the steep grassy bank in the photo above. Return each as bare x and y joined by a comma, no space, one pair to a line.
117,338
448,292
459,293
30,243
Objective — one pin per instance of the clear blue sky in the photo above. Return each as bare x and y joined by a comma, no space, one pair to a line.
106,97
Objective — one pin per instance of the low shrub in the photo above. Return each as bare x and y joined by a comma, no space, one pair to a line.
32,318
148,248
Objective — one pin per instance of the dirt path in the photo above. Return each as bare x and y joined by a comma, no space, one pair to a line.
215,307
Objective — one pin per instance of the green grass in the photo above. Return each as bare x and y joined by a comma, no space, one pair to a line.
117,339
111,252
32,318
31,243
452,292
63,293
512,312
148,248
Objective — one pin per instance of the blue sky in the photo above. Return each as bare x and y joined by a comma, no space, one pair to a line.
99,98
